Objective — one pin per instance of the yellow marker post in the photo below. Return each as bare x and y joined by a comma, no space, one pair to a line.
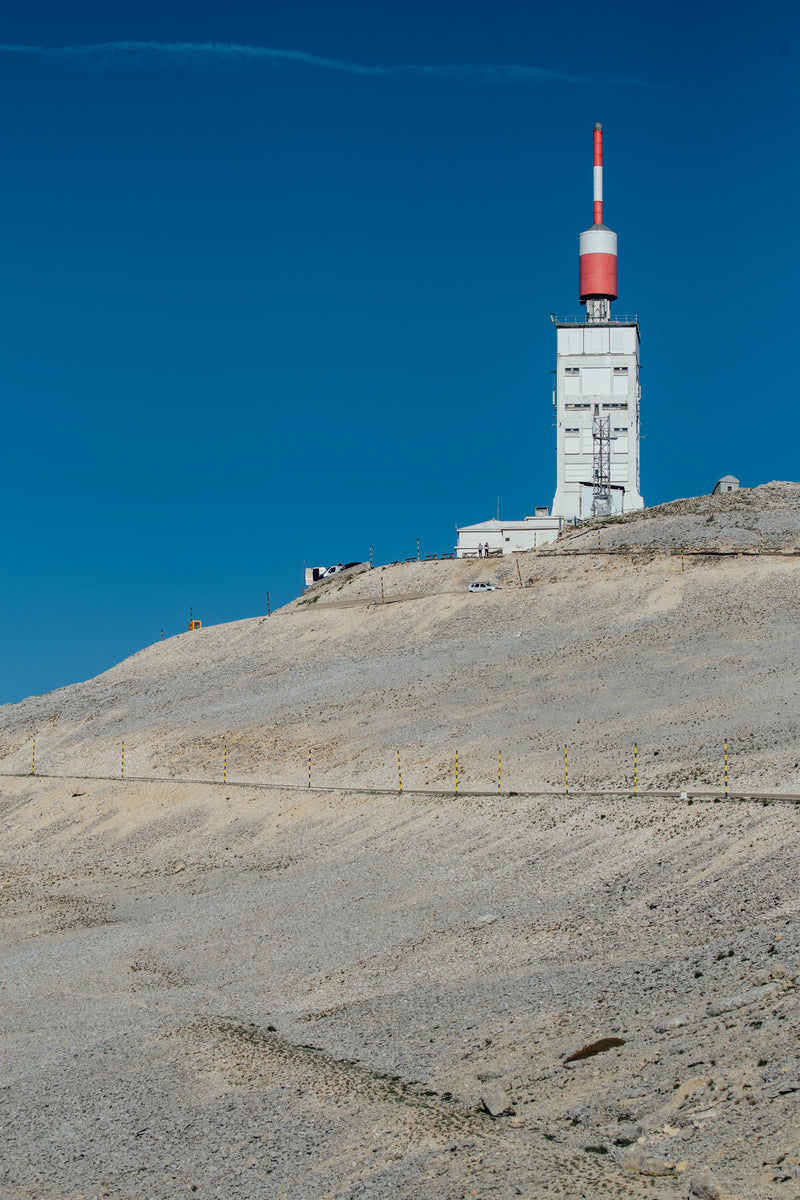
370,558
761,543
33,756
417,549
456,772
224,764
268,608
122,766
534,541
726,766
162,635
383,598
519,576
598,539
399,772
309,766
499,768
682,563
566,773
635,767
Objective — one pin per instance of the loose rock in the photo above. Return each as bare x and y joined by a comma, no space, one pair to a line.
496,1103
640,1163
704,1186
731,1003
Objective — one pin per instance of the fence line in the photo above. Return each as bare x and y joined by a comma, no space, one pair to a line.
455,790
553,550
669,552
692,795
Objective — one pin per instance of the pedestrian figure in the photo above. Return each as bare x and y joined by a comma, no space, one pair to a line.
480,550
485,549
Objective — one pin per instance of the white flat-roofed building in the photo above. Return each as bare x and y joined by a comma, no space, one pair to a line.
597,413
508,537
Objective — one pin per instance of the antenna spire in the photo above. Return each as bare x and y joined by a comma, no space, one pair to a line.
598,249
598,174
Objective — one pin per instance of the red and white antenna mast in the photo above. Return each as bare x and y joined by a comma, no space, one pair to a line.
598,174
598,249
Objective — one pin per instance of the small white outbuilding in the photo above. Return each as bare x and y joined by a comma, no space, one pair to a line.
728,483
508,537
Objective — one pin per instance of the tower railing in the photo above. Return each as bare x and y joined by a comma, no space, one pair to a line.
581,322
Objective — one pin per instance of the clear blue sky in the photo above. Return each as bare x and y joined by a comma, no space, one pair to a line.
258,310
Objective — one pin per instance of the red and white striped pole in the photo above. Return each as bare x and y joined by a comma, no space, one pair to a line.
598,174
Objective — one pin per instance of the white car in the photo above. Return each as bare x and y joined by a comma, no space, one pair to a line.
483,587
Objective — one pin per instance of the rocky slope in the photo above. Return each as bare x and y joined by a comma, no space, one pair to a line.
241,992
264,991
598,650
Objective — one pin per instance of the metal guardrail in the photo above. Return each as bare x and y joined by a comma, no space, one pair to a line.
582,323
416,558
690,796
664,552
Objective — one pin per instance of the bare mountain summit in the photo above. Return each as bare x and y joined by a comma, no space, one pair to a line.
265,989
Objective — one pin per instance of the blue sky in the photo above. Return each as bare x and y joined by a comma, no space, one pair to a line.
259,310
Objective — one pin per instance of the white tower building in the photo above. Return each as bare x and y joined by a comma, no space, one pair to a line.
597,395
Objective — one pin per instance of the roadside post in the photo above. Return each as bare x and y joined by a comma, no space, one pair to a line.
635,767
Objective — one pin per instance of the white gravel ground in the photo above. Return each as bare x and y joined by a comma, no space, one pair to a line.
415,953
170,953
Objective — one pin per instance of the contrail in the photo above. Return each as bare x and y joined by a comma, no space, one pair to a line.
211,56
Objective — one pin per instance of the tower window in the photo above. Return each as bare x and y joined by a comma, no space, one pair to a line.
572,370
620,370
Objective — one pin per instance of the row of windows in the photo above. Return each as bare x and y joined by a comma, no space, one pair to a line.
577,370
617,429
573,453
606,407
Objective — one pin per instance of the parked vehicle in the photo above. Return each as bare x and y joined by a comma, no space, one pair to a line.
314,574
483,587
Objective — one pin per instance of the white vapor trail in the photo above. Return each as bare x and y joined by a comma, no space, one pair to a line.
221,55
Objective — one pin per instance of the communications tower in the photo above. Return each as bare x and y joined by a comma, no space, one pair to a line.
597,394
